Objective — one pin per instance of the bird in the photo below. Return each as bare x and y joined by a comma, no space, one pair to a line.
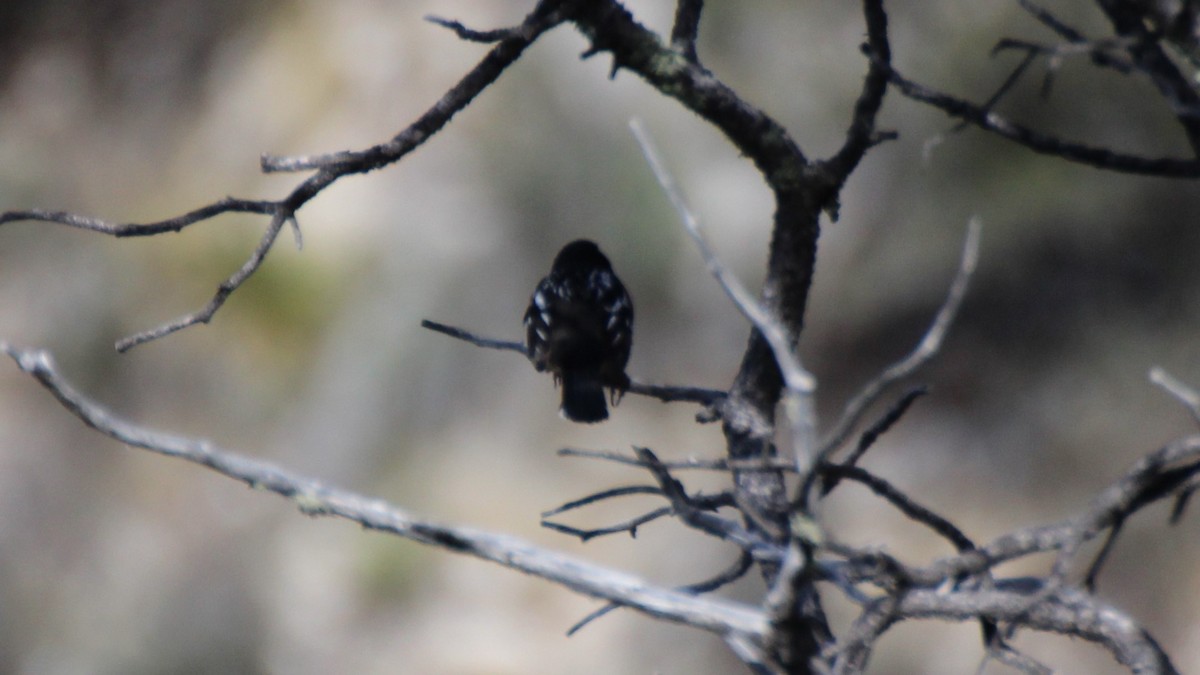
579,326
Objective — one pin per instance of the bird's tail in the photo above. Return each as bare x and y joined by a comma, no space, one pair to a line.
583,399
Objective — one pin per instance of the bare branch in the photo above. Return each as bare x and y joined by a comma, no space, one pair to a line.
929,346
611,28
227,287
687,26
1100,51
794,374
1100,57
1147,481
544,17
753,464
1011,80
853,650
486,36
1052,22
330,169
317,499
1186,395
724,578
694,516
672,393
664,393
1093,571
902,502
1176,88
1004,653
461,334
227,205
868,437
1102,158
1152,478
862,134
600,496
1191,401
1069,612
280,213
630,526
700,501
799,383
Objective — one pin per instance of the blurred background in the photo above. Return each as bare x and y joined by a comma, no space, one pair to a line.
118,561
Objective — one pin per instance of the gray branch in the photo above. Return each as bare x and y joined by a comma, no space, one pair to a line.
723,617
925,350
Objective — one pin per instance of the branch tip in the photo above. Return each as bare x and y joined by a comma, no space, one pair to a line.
470,35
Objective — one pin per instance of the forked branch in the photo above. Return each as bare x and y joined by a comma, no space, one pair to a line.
327,170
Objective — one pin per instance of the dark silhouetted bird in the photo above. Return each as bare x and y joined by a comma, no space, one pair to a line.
579,326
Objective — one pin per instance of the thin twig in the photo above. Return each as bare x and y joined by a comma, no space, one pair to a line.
863,134
1099,51
793,373
902,502
544,17
629,526
1007,85
852,651
478,341
686,27
317,499
867,439
799,383
329,168
224,290
693,516
760,464
1052,22
664,393
1151,479
928,347
1186,395
279,211
600,496
1149,57
703,502
175,224
1145,482
672,393
1099,157
1004,653
724,578
485,36
1093,572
